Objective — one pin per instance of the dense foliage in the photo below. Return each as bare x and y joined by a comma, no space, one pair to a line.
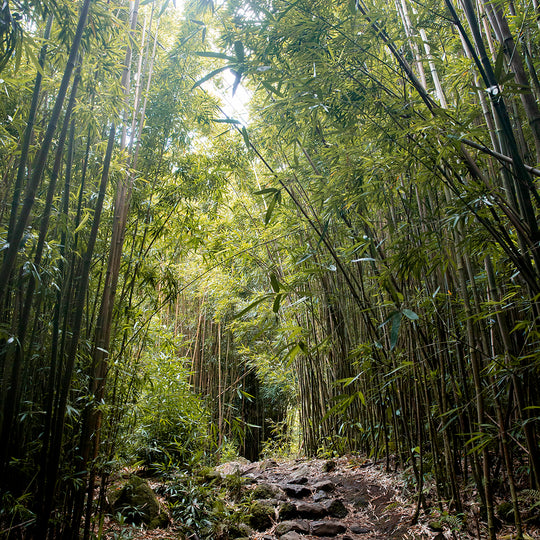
361,262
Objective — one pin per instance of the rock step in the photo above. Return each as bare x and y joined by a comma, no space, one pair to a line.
287,530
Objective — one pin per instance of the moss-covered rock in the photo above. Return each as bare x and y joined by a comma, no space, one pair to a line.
287,510
260,515
136,501
505,512
239,530
265,491
435,526
207,475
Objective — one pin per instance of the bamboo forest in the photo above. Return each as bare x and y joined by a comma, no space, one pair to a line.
269,269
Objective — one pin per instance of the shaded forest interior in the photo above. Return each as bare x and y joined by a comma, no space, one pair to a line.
351,268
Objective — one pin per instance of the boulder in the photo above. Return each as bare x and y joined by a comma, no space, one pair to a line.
327,528
136,501
287,510
335,508
209,476
296,526
311,510
234,467
302,470
261,514
267,491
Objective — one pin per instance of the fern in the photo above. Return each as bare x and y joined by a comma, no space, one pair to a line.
454,522
529,495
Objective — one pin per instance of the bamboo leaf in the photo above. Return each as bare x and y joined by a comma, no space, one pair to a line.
226,121
277,302
246,138
275,283
82,223
499,63
239,50
362,397
271,89
164,7
364,259
252,305
265,191
410,314
292,354
394,332
221,56
237,79
209,76
271,206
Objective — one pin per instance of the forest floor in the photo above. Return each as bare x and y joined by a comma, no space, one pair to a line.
378,503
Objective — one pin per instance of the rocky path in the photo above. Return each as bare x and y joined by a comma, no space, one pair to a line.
348,498
319,499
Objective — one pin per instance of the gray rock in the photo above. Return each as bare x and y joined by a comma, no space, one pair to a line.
327,528
320,496
291,536
287,526
335,508
302,470
311,510
357,529
324,485
271,502
296,490
299,479
234,467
